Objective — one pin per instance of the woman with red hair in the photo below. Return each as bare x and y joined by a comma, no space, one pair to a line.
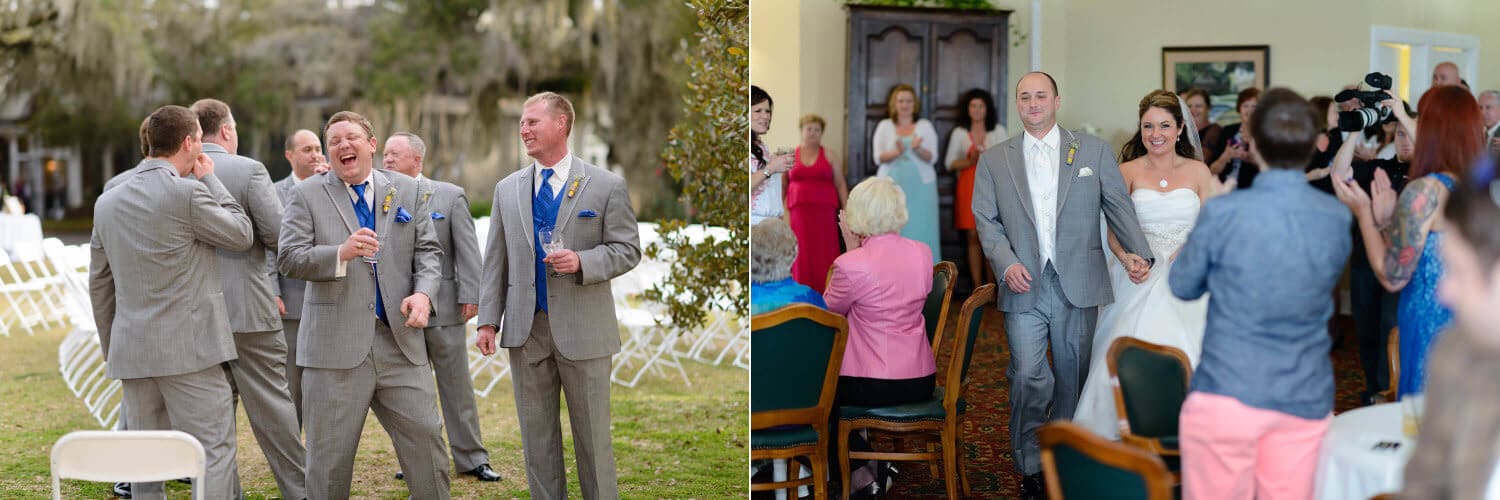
1402,236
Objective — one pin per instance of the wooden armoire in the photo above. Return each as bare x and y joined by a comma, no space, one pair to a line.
941,52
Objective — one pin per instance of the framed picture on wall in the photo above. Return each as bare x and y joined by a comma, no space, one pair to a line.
1223,71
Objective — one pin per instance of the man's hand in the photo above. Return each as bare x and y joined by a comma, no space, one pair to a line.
564,261
416,308
1017,278
1495,145
469,311
1138,268
280,306
321,165
203,166
486,340
363,243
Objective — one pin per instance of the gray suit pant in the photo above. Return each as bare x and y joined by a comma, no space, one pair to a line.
293,372
404,401
448,351
198,403
1039,393
259,378
538,371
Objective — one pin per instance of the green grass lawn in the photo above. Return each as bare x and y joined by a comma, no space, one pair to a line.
670,441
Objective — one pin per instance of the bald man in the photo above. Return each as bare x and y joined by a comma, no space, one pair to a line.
305,152
1446,73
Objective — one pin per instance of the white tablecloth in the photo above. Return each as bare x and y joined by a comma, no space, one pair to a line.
21,236
1349,466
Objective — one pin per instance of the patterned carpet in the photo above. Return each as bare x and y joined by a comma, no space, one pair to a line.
986,430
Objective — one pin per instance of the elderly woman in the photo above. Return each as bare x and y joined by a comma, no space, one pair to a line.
881,285
773,249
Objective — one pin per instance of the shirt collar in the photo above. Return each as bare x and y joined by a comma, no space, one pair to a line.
370,178
1280,176
420,176
559,171
1051,139
1490,131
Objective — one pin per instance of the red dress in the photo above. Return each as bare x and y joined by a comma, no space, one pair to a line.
963,194
812,202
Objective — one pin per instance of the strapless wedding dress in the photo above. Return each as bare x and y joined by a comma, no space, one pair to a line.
1147,311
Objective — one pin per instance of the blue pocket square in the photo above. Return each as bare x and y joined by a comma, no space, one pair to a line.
588,213
438,216
402,216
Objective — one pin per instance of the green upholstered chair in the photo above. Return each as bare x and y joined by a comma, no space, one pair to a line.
1150,383
935,310
1081,465
797,351
939,417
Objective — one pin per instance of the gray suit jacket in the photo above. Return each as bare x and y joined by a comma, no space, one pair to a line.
153,276
289,289
608,245
448,207
338,313
248,289
1005,220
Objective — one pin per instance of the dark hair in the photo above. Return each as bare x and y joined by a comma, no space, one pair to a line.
1164,99
1320,104
990,118
1473,208
145,140
758,96
1284,128
1051,80
890,101
1196,92
212,114
1452,132
1245,95
167,127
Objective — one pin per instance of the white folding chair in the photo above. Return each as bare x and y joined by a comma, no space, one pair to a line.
22,296
649,348
128,456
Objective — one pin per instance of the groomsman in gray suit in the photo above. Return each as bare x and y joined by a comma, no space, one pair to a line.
305,153
1037,201
457,301
258,376
557,310
154,284
371,266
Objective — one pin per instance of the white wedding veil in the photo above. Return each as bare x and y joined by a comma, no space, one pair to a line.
1190,128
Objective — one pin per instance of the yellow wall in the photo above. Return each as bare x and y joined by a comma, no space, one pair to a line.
1106,54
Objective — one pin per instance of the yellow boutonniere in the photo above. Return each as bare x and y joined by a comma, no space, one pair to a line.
426,196
1072,148
573,188
386,206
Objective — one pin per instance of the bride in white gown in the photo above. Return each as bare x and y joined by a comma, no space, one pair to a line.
1167,182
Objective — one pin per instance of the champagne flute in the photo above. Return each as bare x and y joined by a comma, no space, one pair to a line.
375,257
551,242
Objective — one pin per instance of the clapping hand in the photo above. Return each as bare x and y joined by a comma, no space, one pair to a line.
851,240
1350,193
1382,198
916,141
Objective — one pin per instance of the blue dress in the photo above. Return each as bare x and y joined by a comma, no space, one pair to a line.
767,297
921,200
1420,316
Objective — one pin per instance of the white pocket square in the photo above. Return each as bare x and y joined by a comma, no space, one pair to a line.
1085,172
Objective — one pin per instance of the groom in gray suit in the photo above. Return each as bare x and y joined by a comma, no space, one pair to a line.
371,266
258,376
304,152
154,285
557,310
1037,201
456,302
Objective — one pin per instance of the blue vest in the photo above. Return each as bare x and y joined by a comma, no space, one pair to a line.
544,206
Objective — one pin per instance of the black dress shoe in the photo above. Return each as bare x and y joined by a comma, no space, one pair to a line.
122,490
1033,487
400,476
484,473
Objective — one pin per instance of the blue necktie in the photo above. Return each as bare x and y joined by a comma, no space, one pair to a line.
367,221
543,215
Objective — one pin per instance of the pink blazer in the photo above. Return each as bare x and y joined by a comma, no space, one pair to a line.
881,287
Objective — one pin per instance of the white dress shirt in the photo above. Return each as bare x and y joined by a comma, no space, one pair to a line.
1041,175
1490,133
369,200
559,175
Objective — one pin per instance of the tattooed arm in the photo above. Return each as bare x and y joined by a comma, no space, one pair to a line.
1395,247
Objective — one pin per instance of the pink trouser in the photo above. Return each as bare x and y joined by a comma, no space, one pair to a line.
1231,451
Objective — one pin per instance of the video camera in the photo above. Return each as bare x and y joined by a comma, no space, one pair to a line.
1371,113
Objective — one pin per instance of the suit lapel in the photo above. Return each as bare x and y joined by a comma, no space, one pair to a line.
1064,171
565,213
523,206
1015,163
381,184
337,194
